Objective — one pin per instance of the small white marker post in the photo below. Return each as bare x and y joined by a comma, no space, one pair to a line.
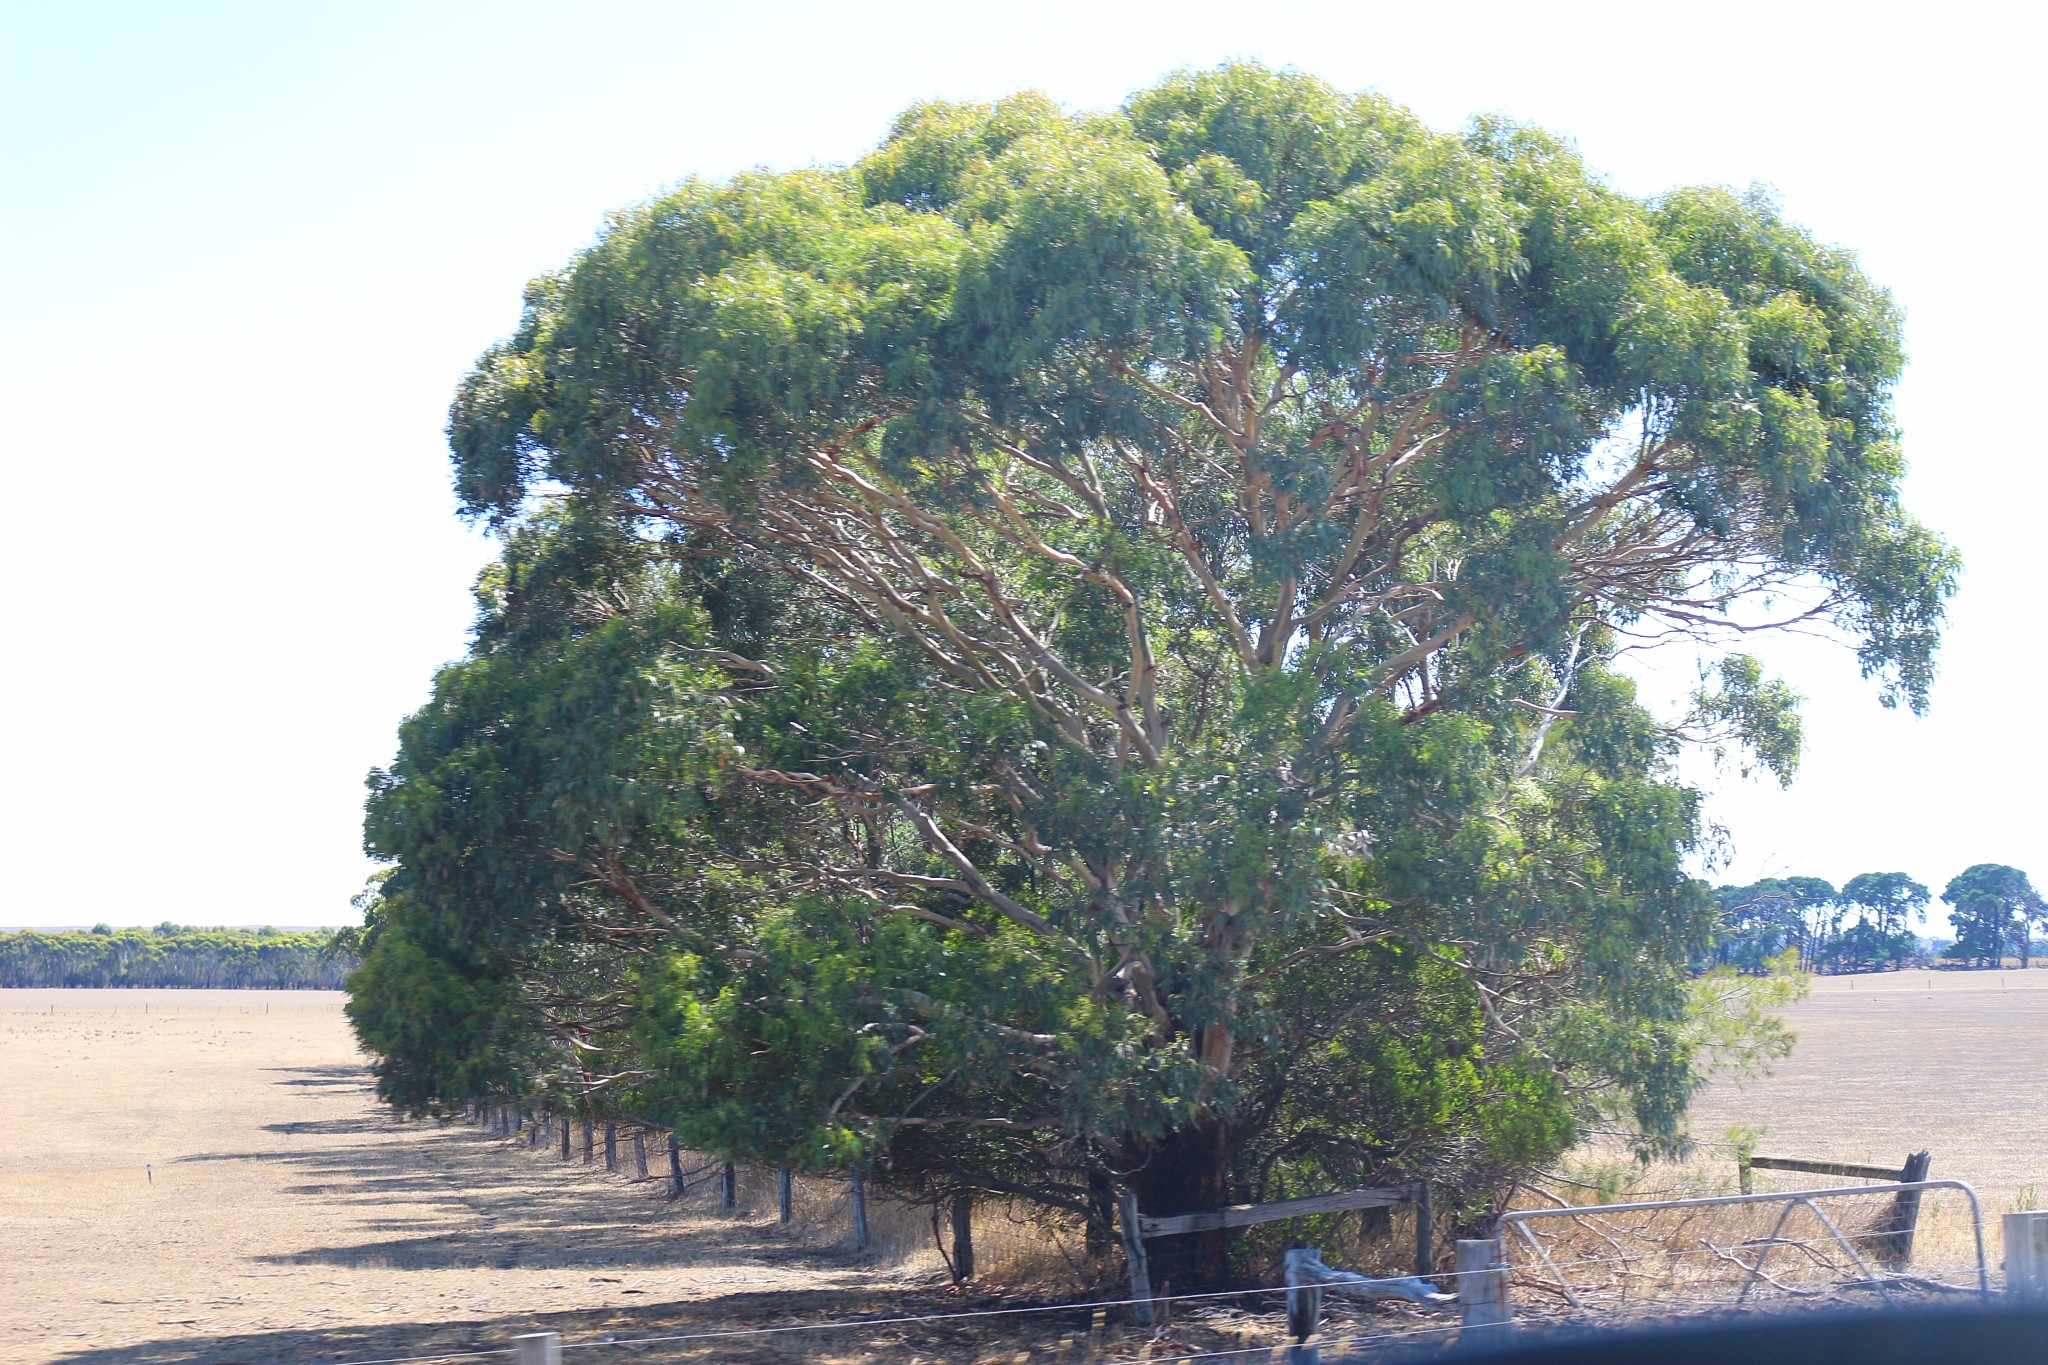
1485,1317
2026,1257
538,1348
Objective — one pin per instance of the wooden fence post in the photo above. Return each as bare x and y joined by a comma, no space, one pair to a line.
857,1197
1127,1227
782,1184
2026,1257
537,1348
589,1142
1484,1316
565,1136
728,1187
675,1168
1425,1231
963,1238
639,1153
611,1146
1896,1250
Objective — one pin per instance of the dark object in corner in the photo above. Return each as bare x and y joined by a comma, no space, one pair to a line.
1937,1337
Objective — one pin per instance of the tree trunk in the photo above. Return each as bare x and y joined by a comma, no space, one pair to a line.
1100,1234
1186,1171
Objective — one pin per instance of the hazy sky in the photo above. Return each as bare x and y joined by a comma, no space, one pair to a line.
249,249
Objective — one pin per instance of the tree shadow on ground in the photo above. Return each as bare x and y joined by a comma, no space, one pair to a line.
329,1071
461,1200
706,1319
381,1193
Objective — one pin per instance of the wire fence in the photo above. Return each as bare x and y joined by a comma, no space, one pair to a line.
1595,1265
1012,1242
1196,1326
1260,1311
1885,1243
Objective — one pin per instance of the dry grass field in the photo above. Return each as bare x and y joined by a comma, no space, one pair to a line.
204,1177
1950,1062
1954,1063
201,1175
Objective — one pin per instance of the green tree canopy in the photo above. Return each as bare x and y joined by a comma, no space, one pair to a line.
1992,906
1888,899
1080,648
176,956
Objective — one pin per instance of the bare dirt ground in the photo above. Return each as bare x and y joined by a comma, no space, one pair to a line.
204,1178
204,1175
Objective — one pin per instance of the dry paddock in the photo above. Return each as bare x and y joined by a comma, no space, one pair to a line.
204,1178
204,1175
193,1176
1950,1062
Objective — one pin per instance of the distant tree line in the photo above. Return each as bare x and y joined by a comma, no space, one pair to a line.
1864,925
180,956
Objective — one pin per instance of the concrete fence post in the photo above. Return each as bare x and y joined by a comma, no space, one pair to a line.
857,1199
782,1192
565,1137
589,1142
1484,1316
675,1168
2026,1257
538,1348
728,1187
639,1153
1304,1304
611,1146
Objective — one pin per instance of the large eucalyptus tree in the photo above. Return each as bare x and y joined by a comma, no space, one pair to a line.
1182,743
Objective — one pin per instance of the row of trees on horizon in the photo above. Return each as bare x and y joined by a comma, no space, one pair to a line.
176,955
1866,923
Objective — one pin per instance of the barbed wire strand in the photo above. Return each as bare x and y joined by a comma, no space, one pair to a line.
449,1355
1262,1291
907,1319
1391,1338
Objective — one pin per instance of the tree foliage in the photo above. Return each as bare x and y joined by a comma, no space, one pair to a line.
1080,649
1992,907
1808,918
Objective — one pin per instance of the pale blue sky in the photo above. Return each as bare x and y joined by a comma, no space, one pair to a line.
249,249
